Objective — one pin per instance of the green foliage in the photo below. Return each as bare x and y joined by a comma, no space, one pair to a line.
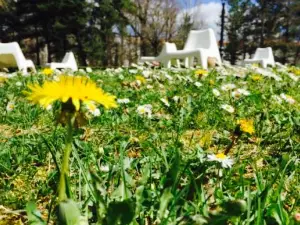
263,24
128,168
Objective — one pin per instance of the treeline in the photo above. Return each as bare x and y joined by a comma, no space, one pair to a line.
260,23
115,32
99,32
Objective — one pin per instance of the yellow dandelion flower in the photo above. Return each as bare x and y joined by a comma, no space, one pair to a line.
211,82
47,71
201,72
141,79
3,79
295,70
77,89
256,77
246,126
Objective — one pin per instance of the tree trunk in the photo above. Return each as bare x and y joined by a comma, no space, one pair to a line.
222,30
262,31
297,54
47,38
144,51
37,47
155,46
65,44
81,52
287,32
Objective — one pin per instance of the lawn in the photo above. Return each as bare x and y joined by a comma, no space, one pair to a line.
184,146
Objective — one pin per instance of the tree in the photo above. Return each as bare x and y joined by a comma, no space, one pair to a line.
235,27
152,21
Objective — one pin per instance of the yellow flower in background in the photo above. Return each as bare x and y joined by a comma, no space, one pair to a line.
77,89
141,79
256,77
201,72
3,79
47,71
246,126
10,106
295,71
211,82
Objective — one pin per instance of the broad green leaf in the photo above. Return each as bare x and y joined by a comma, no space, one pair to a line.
164,202
68,213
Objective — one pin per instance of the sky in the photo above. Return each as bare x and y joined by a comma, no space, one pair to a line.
206,15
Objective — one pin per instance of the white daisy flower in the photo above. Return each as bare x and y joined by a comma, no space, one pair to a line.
96,112
224,160
236,94
161,86
19,84
216,92
168,77
228,108
49,107
239,92
287,98
10,106
119,70
149,86
198,84
11,75
189,79
123,100
268,73
243,91
165,101
104,168
132,71
277,99
146,73
145,110
293,77
138,82
134,65
92,109
228,87
88,69
56,78
176,98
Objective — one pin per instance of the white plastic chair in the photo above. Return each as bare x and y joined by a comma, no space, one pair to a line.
164,56
68,62
11,55
264,56
200,44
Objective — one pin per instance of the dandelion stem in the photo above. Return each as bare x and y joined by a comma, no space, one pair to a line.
234,139
64,171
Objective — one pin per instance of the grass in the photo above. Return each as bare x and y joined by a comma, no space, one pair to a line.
128,168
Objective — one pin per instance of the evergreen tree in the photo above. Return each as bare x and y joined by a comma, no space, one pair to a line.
236,29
